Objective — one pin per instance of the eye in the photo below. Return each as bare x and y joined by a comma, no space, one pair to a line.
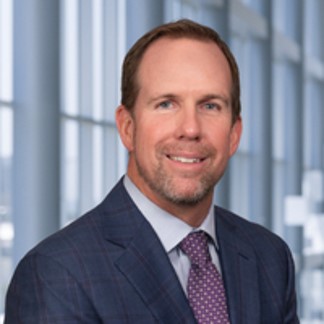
211,106
165,104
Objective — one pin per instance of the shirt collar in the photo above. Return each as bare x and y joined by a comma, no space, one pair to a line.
170,229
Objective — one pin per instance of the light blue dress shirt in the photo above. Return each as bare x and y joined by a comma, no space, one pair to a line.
172,230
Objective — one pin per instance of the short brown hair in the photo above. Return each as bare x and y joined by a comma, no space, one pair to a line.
183,28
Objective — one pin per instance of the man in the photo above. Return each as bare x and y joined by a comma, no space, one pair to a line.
129,259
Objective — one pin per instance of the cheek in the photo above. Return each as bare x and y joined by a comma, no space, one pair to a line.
142,142
219,133
221,139
150,132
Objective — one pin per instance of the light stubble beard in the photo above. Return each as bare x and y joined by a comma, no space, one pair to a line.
163,184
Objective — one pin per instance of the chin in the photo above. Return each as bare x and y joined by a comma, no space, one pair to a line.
186,197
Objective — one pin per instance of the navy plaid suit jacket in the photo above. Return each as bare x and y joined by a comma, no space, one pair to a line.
110,267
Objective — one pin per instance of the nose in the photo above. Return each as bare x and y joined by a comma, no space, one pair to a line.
189,124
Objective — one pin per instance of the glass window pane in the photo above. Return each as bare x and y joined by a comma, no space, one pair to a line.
6,57
259,6
287,14
70,57
97,83
241,50
111,141
6,226
98,164
6,131
86,166
313,134
314,28
6,146
111,64
278,126
70,171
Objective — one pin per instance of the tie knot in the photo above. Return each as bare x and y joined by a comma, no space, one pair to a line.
195,246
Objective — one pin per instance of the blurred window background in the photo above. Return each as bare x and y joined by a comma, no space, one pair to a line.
6,146
60,85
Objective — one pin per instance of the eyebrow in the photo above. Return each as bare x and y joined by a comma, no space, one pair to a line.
162,97
212,96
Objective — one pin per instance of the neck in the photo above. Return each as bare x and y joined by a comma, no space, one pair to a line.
191,214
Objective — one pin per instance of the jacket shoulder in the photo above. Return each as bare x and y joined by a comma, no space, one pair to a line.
89,229
256,236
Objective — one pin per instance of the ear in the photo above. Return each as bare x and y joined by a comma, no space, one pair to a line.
236,133
125,126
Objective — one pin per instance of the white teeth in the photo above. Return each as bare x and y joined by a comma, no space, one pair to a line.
184,160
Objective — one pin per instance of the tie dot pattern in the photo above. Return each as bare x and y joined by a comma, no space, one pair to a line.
206,292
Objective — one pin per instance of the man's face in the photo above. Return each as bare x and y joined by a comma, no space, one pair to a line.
180,135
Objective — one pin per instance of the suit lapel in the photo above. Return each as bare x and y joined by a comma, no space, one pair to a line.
144,262
239,269
148,268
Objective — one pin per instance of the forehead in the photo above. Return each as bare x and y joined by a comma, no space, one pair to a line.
183,60
185,47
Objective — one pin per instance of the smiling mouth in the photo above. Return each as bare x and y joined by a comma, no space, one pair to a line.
185,159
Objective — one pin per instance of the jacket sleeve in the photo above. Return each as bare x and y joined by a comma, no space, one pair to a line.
291,300
43,291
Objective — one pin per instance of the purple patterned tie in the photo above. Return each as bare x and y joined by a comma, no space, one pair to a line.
205,288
